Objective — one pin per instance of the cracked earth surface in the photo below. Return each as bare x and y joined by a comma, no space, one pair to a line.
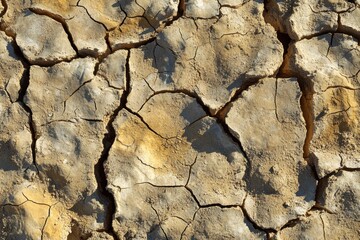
179,119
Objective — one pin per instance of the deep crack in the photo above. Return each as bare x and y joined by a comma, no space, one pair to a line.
99,168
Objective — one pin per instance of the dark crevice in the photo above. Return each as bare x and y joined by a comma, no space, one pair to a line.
24,84
129,46
285,41
100,174
157,186
211,204
5,6
291,223
330,45
306,104
193,218
60,20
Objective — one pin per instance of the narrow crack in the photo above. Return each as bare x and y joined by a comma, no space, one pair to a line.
268,231
49,212
323,227
339,86
190,170
146,124
24,84
87,12
159,219
144,163
46,220
158,186
275,100
222,113
75,91
188,224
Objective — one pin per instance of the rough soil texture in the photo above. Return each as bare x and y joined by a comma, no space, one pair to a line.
179,119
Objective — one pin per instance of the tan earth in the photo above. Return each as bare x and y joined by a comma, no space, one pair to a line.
179,119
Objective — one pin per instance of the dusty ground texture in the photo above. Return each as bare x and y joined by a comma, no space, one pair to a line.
179,119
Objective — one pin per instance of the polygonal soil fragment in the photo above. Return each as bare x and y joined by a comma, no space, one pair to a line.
88,35
170,150
42,39
221,56
107,12
201,9
156,212
221,223
322,226
112,69
38,214
50,88
15,138
349,21
70,90
268,122
341,197
306,18
217,176
11,68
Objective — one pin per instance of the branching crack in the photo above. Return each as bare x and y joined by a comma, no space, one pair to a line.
160,221
99,168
